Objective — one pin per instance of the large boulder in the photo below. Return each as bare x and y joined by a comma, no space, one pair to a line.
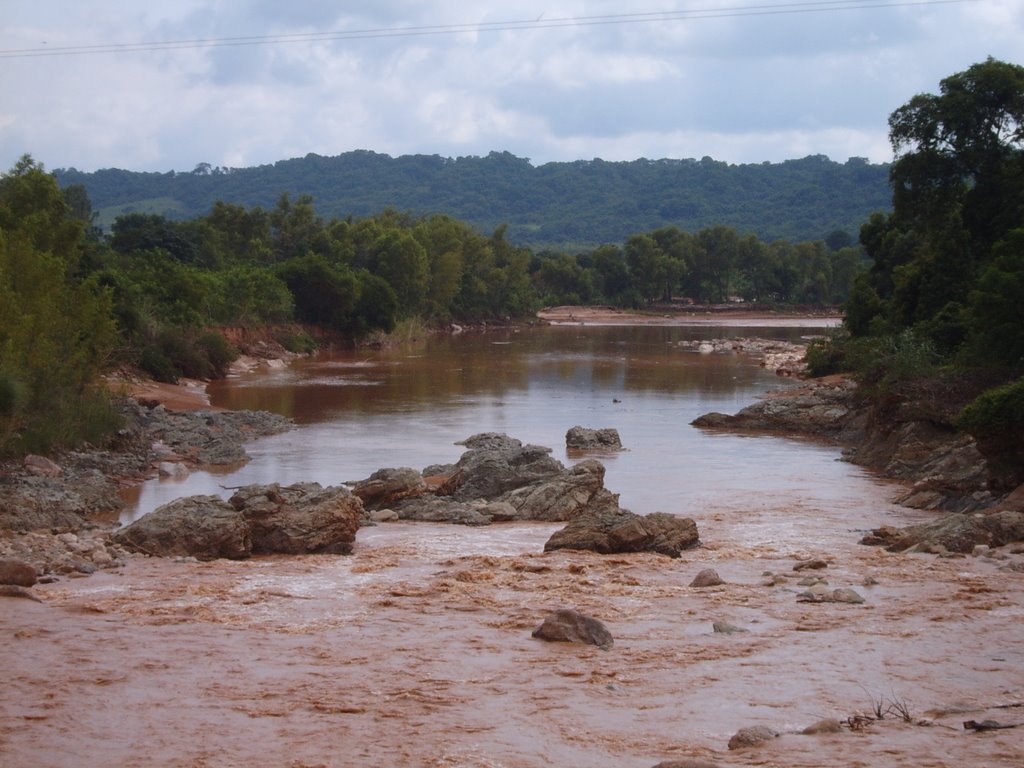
304,518
204,527
496,464
608,529
560,497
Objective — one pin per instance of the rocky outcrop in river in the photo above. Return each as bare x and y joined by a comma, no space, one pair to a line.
258,519
498,479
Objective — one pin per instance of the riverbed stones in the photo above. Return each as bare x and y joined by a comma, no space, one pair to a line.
13,590
497,480
571,626
817,409
586,439
608,529
821,593
443,509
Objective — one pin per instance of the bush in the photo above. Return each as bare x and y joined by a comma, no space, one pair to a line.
297,341
218,351
998,411
827,355
154,362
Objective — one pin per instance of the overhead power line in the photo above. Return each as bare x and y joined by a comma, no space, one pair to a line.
774,9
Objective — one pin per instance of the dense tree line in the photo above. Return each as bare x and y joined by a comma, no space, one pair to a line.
561,206
943,300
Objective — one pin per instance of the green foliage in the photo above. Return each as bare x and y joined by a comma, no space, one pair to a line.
947,273
157,364
998,411
296,340
996,316
566,206
56,332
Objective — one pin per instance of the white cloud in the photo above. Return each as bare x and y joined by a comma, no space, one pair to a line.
741,88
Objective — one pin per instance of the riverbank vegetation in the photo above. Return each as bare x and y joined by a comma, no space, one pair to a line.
938,319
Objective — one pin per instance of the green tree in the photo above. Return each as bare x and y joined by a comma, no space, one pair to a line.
958,188
56,333
399,259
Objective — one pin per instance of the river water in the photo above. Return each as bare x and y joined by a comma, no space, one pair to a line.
416,650
408,407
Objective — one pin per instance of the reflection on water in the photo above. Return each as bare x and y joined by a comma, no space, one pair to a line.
360,411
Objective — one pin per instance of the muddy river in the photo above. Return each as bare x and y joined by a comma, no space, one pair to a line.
416,650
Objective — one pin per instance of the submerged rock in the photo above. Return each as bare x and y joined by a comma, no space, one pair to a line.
567,625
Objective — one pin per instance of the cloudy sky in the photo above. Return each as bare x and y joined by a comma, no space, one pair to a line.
244,82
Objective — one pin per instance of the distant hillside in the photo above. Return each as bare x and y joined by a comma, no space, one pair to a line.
557,205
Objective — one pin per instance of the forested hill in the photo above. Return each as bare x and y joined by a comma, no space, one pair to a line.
557,205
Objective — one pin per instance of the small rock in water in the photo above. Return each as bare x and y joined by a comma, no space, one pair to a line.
847,596
813,564
810,581
828,725
725,628
707,578
686,762
820,593
17,573
749,737
567,625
